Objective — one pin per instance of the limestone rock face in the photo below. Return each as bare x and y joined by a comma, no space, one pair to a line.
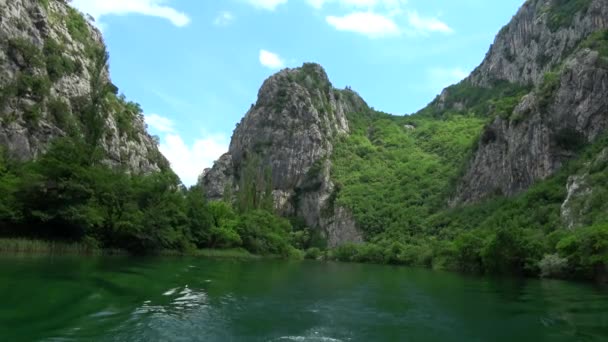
567,107
535,41
49,60
291,130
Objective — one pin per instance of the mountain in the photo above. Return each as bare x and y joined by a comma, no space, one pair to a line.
558,48
493,175
53,69
291,130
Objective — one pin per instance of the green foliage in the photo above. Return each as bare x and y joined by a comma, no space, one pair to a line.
57,64
255,191
498,100
313,253
25,53
77,26
546,90
125,113
37,87
44,3
586,251
520,235
391,177
60,112
264,233
509,251
10,210
597,41
32,116
561,13
552,266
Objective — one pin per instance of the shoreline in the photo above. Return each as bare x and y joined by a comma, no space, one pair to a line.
38,247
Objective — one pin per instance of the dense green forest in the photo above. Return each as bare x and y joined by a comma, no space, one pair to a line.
397,175
69,195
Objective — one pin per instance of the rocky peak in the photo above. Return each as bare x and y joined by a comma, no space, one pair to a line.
290,130
538,38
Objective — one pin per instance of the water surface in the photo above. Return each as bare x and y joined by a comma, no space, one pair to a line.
188,299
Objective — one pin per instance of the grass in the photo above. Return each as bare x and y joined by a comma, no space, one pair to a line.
30,246
22,246
225,253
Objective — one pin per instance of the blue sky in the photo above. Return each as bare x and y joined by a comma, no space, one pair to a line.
196,66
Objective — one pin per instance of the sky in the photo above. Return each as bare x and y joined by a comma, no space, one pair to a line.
195,66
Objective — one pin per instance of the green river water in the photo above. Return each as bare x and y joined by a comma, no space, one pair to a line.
189,299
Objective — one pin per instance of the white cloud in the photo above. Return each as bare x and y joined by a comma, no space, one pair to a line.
367,23
188,162
155,8
224,18
346,3
271,60
427,24
267,4
388,4
159,123
439,78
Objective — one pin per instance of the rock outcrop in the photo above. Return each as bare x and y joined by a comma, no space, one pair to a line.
567,108
51,64
290,130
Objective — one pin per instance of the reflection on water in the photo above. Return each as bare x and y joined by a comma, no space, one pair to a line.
117,299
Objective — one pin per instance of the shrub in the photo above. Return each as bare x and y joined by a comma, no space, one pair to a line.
77,26
562,12
586,250
346,252
60,112
32,116
22,48
546,91
38,87
371,253
58,65
313,253
552,266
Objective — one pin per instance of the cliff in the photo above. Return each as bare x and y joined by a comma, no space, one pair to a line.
555,52
55,82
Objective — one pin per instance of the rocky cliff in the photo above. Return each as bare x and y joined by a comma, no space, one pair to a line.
290,131
557,51
53,71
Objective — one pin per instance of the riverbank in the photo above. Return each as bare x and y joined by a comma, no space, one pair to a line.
22,246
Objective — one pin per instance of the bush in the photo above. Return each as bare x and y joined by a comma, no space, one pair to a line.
370,253
586,250
38,87
60,112
552,266
264,233
547,89
313,253
32,116
58,65
21,48
346,252
562,12
77,26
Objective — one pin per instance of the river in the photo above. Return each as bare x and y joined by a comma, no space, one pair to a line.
189,299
